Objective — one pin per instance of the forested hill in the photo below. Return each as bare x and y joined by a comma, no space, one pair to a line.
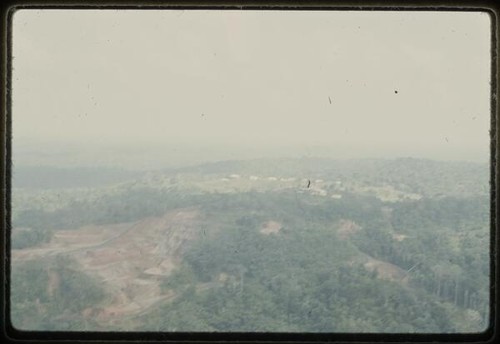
362,246
424,176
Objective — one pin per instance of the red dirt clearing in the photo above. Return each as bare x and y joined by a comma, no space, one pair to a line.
131,259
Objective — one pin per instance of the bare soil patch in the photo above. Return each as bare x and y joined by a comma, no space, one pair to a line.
131,259
386,270
346,228
271,227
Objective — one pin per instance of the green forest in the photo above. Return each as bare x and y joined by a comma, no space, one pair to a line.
306,276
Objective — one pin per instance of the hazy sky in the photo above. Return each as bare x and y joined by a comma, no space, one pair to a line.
275,78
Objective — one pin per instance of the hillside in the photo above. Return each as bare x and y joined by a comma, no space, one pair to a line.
366,246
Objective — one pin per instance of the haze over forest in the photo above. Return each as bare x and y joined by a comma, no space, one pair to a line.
151,156
217,85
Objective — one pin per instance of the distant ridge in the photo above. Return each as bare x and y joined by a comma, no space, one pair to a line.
426,176
49,177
